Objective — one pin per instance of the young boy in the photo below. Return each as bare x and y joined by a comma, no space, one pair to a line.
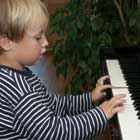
27,110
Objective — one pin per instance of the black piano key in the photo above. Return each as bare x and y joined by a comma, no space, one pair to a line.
132,76
138,114
135,97
137,103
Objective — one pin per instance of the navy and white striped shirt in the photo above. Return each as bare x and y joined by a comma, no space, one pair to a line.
29,112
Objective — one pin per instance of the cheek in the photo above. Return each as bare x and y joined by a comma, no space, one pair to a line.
34,48
30,58
34,52
31,54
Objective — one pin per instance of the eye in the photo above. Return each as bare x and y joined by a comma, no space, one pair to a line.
38,38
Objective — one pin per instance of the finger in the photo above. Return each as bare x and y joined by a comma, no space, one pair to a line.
117,97
102,79
104,93
103,87
118,109
119,102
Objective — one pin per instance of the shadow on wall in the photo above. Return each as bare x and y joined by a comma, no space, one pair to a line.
46,71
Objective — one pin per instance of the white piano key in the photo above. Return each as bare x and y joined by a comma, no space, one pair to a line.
129,123
114,69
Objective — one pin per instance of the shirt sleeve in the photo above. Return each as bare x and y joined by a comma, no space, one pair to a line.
70,105
35,121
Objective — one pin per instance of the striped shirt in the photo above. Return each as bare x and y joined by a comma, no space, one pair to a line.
29,112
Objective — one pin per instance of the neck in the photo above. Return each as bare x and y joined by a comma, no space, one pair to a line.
6,61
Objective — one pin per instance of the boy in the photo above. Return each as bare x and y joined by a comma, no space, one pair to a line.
27,110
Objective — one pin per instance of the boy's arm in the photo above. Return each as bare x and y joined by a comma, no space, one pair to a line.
36,121
71,105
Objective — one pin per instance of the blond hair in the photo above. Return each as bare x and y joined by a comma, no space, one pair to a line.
17,15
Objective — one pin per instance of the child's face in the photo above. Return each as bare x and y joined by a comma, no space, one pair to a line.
31,48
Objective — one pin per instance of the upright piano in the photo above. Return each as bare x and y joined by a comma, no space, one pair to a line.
123,66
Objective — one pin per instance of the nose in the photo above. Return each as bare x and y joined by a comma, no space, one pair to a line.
45,42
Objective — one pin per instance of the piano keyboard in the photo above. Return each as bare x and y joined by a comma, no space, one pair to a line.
128,119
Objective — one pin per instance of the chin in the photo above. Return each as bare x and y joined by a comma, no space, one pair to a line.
37,61
33,63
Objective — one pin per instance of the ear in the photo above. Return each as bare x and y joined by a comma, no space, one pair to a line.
5,43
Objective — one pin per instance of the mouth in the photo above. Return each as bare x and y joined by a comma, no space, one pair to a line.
41,56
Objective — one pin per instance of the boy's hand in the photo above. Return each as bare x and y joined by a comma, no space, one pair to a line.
99,92
113,106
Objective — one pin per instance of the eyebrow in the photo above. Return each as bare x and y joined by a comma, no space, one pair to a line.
40,33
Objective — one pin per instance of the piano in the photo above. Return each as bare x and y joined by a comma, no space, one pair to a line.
123,66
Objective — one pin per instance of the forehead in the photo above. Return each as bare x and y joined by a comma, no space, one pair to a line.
38,25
